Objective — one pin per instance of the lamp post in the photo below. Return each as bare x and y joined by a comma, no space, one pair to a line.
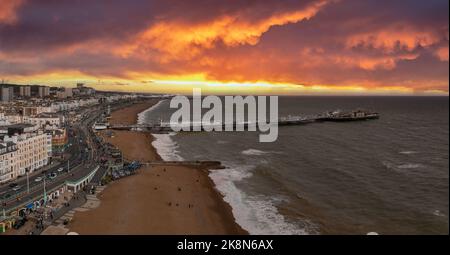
45,192
28,180
3,214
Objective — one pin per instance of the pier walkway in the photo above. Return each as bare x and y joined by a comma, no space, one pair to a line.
164,127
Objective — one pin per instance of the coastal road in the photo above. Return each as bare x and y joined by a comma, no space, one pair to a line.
80,164
75,158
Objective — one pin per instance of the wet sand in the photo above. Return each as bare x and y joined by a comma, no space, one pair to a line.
172,199
134,145
128,115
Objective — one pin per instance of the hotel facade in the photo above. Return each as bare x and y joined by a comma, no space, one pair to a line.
21,153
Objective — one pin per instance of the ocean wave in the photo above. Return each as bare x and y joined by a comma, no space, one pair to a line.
409,166
408,152
255,152
141,115
166,147
438,213
256,214
392,166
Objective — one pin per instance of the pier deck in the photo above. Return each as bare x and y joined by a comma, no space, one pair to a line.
165,127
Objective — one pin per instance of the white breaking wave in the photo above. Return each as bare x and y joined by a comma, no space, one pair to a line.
409,166
166,147
395,167
163,143
141,115
256,214
408,152
254,152
438,213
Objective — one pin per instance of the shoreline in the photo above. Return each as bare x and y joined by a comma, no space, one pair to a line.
160,199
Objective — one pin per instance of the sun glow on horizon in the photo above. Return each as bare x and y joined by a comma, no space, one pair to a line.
183,84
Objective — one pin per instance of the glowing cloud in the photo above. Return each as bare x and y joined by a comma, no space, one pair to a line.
8,10
393,38
442,53
185,40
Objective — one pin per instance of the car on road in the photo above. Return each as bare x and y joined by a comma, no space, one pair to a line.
60,169
38,179
16,188
12,185
52,175
6,196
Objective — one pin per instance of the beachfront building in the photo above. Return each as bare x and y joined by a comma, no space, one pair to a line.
3,120
24,91
59,141
43,91
49,146
32,148
6,94
32,110
82,90
8,154
44,119
7,119
64,93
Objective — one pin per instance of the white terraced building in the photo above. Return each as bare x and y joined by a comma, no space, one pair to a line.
43,119
32,152
8,152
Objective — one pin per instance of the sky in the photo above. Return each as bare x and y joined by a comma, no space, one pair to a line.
285,47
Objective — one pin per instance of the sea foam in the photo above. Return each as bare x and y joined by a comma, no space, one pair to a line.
409,166
256,214
141,116
166,147
408,152
254,152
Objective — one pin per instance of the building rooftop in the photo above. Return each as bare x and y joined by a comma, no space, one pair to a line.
18,126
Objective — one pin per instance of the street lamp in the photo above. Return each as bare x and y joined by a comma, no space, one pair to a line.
28,181
45,192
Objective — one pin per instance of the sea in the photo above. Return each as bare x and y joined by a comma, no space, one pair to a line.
385,176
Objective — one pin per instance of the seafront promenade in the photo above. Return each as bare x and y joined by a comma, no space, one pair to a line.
40,200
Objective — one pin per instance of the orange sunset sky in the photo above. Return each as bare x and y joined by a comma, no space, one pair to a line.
286,47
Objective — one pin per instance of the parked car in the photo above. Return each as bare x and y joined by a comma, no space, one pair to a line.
19,223
12,185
